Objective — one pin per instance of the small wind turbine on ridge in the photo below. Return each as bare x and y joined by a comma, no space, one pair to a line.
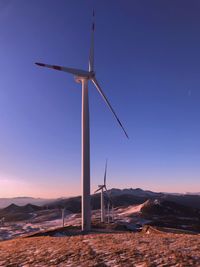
83,76
101,188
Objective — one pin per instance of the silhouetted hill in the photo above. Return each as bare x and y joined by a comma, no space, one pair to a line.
11,208
169,204
26,208
21,201
169,214
126,197
137,192
18,213
72,204
189,200
165,208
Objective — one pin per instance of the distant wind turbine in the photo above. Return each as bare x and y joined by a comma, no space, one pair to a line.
83,76
101,188
110,206
63,217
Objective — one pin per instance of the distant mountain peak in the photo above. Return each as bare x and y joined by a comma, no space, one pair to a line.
12,205
134,192
21,201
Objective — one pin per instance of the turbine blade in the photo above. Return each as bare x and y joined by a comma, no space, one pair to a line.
65,69
94,80
105,173
91,56
98,189
109,195
107,192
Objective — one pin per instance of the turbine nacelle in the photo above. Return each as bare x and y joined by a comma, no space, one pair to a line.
88,76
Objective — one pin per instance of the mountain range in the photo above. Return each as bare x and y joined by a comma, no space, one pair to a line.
120,198
21,201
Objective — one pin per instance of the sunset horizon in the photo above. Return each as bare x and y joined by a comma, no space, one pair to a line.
99,133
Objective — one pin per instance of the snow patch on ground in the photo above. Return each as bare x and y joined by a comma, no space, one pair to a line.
10,230
132,209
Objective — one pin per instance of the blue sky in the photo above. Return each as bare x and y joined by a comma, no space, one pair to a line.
147,61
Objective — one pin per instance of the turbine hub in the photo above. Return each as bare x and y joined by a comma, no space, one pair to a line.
79,79
92,74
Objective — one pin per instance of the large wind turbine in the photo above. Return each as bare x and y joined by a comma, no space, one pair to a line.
101,188
83,76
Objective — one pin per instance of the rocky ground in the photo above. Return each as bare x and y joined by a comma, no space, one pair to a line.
101,249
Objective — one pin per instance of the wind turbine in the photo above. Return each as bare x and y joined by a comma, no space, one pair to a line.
110,202
83,77
110,205
63,216
101,188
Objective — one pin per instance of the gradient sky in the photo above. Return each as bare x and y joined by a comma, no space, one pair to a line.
147,60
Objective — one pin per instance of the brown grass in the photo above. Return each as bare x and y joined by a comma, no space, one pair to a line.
124,249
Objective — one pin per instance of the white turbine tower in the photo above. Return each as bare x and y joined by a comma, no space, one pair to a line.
110,205
83,76
110,201
101,188
63,217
